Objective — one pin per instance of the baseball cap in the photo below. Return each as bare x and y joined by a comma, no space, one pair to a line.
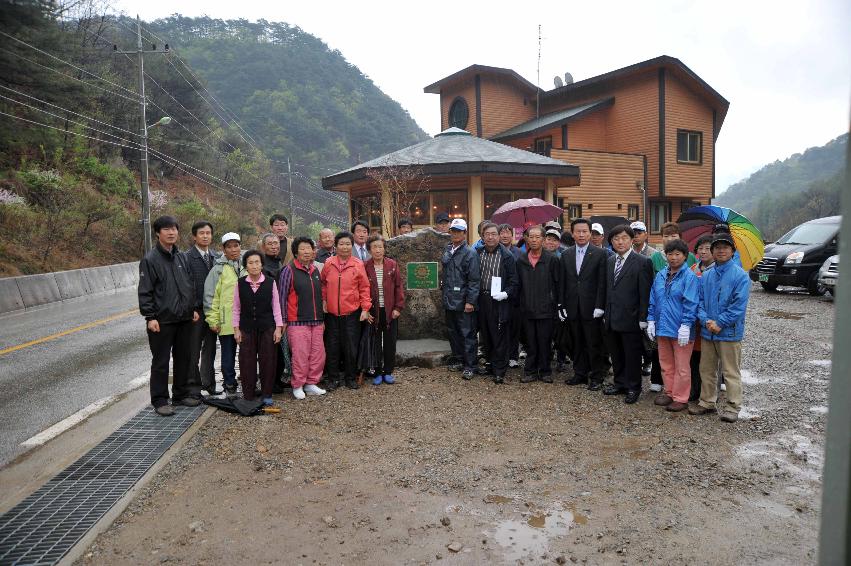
458,224
554,232
722,237
597,227
441,217
638,225
230,236
553,224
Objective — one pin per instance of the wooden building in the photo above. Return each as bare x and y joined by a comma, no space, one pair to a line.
643,136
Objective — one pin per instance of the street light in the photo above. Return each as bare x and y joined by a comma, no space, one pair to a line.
146,201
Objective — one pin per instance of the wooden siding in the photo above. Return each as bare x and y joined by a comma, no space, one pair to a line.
608,179
467,91
519,183
589,132
685,110
502,105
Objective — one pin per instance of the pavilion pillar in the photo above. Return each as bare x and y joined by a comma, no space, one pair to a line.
550,191
388,228
477,205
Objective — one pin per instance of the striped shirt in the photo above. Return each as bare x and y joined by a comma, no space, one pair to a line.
379,275
489,264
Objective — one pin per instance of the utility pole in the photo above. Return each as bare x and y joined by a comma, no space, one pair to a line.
143,162
292,212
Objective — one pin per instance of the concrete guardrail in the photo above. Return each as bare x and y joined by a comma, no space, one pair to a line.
28,291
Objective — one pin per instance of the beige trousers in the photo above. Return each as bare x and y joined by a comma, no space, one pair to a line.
729,355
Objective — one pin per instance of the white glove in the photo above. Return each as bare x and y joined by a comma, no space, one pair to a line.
501,296
642,325
562,314
683,334
598,313
651,329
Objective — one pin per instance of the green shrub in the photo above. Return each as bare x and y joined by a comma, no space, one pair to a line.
109,180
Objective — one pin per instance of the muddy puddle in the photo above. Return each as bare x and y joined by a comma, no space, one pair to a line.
530,538
788,315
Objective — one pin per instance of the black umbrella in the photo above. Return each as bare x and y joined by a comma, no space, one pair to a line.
239,406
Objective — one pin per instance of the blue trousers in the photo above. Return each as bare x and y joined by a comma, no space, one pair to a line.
228,344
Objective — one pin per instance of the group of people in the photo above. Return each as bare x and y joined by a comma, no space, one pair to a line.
290,308
327,311
623,306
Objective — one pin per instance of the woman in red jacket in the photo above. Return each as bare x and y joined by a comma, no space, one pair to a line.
388,300
346,302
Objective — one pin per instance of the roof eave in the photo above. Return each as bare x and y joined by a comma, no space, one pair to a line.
435,87
602,104
464,168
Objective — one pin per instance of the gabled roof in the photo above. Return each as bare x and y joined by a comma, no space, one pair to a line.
677,67
552,120
473,70
457,152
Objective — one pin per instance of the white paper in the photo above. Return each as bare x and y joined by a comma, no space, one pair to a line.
496,285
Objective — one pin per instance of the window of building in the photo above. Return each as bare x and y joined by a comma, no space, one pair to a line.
459,114
494,198
544,145
632,212
419,212
660,212
368,209
573,211
453,203
689,147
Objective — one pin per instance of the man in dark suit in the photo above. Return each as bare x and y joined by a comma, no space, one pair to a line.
200,259
582,296
629,277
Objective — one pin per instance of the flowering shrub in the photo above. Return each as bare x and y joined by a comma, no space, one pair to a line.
9,197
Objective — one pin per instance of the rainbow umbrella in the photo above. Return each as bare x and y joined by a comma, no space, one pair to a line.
700,220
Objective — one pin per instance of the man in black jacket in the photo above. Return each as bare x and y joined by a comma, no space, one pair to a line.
460,295
582,300
538,271
271,247
167,301
495,301
629,277
200,259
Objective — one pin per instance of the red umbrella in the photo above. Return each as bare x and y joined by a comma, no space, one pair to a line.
525,211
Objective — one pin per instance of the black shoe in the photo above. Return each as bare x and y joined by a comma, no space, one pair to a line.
577,380
645,369
595,385
498,379
352,383
486,369
230,389
468,374
331,384
547,378
188,402
456,367
164,410
613,390
561,367
528,378
631,397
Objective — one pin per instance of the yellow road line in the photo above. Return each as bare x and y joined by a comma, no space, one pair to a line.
86,326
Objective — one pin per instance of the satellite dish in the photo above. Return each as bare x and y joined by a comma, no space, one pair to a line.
568,79
557,81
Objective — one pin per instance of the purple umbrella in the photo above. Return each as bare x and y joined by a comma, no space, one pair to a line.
526,212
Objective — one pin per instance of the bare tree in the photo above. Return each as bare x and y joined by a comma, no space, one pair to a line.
400,188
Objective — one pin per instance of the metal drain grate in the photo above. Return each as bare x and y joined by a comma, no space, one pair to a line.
45,525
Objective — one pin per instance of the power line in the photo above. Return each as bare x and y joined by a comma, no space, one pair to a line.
67,63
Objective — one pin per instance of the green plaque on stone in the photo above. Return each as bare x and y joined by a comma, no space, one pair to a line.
422,275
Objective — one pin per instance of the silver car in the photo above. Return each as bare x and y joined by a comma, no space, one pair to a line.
828,274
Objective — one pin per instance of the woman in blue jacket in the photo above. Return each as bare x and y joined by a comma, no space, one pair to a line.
674,302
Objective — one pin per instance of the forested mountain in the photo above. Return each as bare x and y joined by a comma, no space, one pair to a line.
244,99
785,193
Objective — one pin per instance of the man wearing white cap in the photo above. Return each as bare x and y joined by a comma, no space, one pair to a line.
460,287
597,237
218,303
639,243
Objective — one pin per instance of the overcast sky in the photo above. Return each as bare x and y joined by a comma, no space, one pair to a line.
783,65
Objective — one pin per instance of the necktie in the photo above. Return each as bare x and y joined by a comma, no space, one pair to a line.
580,254
208,259
618,266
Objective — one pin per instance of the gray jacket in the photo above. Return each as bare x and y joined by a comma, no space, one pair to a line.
461,277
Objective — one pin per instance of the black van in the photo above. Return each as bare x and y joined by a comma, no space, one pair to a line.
795,259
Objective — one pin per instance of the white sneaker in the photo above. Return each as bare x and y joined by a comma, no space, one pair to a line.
311,389
723,387
298,393
513,363
655,387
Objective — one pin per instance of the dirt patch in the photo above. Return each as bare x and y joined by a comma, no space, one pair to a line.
435,469
775,313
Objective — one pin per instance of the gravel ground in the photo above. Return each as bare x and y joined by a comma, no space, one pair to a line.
436,470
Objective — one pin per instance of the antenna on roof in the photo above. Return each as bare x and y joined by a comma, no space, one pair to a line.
538,90
557,81
568,79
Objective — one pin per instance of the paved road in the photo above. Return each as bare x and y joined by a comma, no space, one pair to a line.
43,383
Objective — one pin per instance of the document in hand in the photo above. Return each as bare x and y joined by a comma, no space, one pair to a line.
496,285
